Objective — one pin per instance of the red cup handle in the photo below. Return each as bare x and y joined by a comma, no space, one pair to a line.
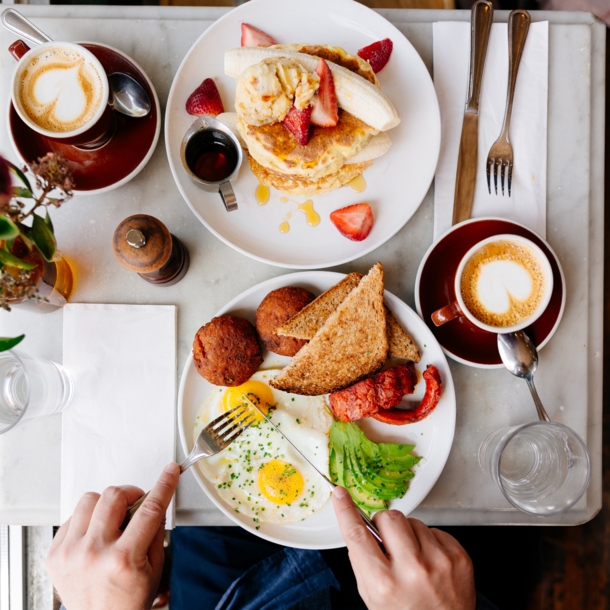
18,49
446,314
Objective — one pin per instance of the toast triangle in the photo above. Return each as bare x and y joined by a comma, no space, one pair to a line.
306,323
401,345
351,345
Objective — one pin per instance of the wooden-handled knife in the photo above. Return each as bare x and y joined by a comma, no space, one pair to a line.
481,18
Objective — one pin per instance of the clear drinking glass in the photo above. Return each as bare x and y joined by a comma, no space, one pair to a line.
542,468
31,387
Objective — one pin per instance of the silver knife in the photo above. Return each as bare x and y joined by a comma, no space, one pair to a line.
481,19
367,520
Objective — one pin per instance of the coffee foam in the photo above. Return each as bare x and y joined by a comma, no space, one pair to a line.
60,89
503,283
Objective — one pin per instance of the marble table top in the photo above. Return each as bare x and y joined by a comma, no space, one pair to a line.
570,373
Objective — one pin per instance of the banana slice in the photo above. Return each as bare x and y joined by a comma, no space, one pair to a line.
355,94
378,145
230,120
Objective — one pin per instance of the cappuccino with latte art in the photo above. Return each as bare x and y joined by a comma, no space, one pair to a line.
60,89
503,283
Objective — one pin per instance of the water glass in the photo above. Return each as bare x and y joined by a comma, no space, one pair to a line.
542,468
31,387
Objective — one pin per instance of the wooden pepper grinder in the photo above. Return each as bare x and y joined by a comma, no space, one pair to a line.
143,244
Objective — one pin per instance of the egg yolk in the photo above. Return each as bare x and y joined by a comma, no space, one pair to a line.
280,482
256,391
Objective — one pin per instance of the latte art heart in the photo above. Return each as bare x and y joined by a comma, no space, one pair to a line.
503,284
61,90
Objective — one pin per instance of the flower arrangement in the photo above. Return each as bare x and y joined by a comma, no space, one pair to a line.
26,230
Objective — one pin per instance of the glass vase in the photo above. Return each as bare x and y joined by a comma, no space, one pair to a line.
54,281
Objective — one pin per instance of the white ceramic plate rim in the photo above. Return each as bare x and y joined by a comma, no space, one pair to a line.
433,140
420,485
153,144
518,224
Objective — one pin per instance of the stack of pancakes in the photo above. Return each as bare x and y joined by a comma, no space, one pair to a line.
278,160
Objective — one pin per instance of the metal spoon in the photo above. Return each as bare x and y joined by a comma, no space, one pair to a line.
17,23
128,96
520,357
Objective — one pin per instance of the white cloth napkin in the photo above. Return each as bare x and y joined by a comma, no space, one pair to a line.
528,132
119,428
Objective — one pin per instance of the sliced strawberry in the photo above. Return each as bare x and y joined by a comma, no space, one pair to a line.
354,222
325,111
297,122
377,54
253,37
205,100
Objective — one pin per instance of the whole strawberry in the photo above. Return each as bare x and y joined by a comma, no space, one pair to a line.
205,100
377,54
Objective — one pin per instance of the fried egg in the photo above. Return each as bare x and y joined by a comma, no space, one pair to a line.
260,475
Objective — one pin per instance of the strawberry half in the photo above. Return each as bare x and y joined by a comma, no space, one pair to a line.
325,111
205,100
377,54
297,122
354,222
253,37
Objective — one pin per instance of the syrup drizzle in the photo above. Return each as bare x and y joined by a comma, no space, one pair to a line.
262,194
357,184
312,218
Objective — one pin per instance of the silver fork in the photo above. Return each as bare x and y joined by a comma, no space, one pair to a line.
500,157
215,437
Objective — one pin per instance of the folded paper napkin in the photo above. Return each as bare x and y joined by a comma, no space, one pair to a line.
119,429
528,130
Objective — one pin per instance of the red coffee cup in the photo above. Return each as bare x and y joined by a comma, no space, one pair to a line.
500,285
94,126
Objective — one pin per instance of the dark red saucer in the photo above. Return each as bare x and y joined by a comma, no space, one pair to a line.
434,288
118,161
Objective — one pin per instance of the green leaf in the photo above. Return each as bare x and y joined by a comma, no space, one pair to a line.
9,343
11,260
43,237
8,229
21,175
47,220
26,235
19,191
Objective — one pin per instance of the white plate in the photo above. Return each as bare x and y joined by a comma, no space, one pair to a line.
397,182
432,436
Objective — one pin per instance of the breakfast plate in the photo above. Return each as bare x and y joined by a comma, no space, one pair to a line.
432,436
396,182
116,163
434,288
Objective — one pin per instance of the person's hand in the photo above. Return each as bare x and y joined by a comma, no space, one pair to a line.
422,569
96,566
